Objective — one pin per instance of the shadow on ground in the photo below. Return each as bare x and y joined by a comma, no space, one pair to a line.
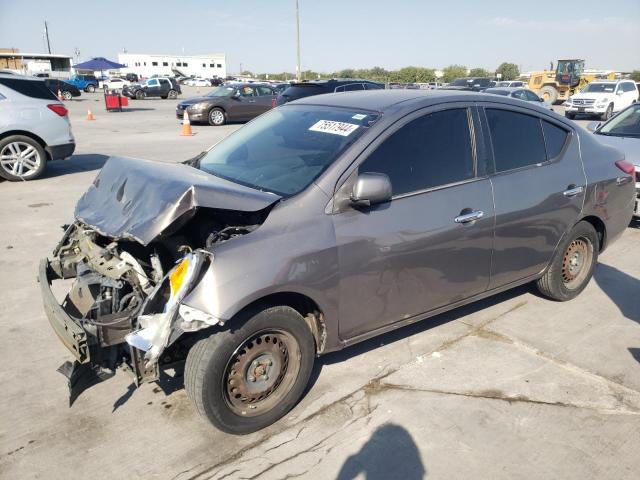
621,288
75,164
389,453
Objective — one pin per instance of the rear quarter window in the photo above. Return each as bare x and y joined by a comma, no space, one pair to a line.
554,138
29,88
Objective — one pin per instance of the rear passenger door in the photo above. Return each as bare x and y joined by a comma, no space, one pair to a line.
538,185
265,100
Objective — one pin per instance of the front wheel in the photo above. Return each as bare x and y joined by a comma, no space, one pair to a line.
245,379
140,95
608,112
573,265
570,116
217,117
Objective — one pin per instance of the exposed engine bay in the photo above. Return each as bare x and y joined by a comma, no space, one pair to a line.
127,296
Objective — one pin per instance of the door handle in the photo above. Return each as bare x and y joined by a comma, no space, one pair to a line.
469,217
622,180
573,191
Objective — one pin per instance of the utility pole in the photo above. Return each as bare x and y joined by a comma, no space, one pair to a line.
76,52
46,34
298,67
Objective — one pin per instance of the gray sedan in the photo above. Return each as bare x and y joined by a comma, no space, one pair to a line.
320,224
520,93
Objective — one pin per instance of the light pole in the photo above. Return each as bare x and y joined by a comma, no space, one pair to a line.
298,69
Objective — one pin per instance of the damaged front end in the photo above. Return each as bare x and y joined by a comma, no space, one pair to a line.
121,310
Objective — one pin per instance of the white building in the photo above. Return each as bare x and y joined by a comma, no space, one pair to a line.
58,66
207,66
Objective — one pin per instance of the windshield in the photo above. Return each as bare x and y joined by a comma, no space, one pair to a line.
599,88
221,92
286,149
625,124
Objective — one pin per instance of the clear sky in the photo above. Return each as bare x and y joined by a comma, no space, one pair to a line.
336,34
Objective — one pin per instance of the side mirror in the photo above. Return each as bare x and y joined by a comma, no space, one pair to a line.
371,189
593,126
619,92
236,95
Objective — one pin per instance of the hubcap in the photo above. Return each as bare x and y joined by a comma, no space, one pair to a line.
261,372
576,262
20,159
217,116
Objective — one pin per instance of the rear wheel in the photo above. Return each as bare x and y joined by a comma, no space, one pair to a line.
90,88
21,158
573,265
217,117
67,95
549,94
245,379
172,94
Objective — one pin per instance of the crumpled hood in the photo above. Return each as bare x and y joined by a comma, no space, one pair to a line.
139,199
628,145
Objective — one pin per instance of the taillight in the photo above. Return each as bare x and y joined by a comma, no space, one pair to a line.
58,108
626,167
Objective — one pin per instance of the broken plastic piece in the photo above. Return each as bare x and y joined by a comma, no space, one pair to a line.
81,376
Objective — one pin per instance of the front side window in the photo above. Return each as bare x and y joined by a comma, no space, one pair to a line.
430,151
152,83
516,138
286,149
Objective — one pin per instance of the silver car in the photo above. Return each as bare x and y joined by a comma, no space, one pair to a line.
34,128
318,225
623,132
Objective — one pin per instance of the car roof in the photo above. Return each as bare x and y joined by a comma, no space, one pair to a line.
332,81
21,77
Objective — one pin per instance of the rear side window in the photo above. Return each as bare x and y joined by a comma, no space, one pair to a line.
30,88
350,87
516,138
373,86
428,152
554,138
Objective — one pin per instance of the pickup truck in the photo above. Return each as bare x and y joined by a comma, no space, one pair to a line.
88,83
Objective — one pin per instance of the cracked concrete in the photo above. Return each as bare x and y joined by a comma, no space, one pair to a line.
511,387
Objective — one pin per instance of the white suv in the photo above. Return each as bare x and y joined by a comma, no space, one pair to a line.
602,98
34,128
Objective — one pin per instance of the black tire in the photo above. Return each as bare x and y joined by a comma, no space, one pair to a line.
67,95
608,113
562,281
217,117
211,381
549,94
140,95
163,97
39,158
172,94
570,116
90,88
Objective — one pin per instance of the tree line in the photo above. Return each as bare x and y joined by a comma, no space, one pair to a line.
411,74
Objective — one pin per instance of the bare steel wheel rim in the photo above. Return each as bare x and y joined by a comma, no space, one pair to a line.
576,262
20,159
261,372
217,117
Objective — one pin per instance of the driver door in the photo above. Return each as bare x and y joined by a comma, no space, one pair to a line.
431,245
244,104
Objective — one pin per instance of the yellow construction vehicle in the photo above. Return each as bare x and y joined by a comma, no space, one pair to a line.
559,84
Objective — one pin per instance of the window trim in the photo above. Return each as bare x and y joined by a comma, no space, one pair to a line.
489,141
390,130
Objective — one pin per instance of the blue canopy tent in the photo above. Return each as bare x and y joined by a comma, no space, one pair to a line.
98,63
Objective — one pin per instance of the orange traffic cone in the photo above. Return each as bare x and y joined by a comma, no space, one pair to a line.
186,126
90,115
60,97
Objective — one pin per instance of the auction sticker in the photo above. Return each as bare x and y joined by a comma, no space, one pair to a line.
337,128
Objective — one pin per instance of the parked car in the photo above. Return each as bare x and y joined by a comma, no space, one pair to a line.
519,93
153,87
41,75
511,83
88,83
132,77
216,81
67,90
318,87
320,224
472,84
623,133
114,83
237,102
200,82
435,85
602,98
34,128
